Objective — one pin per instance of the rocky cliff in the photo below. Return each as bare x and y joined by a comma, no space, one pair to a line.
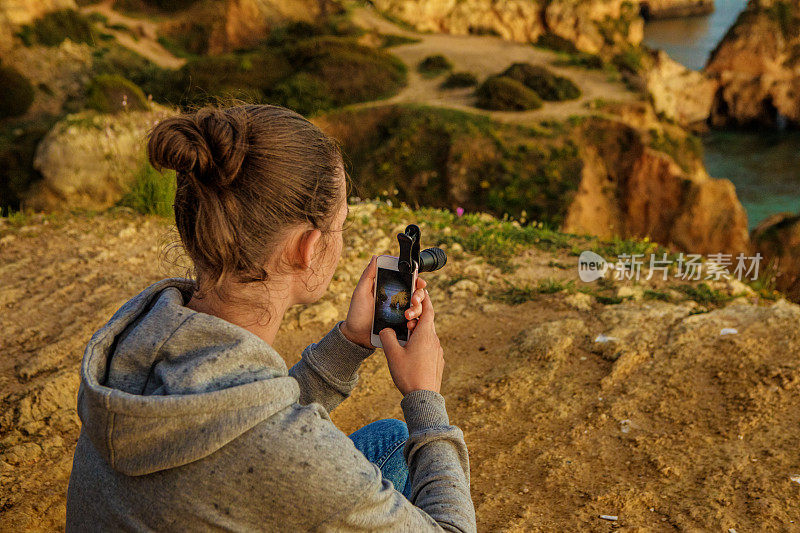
591,25
233,24
661,9
14,13
777,238
89,160
630,189
757,66
683,95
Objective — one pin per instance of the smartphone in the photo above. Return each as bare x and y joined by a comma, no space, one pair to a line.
393,290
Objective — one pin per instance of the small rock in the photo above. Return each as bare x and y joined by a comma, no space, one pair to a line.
127,232
580,301
22,453
475,270
7,238
464,285
729,331
634,293
324,312
609,517
456,248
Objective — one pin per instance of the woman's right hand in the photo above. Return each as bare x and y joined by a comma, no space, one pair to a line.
419,364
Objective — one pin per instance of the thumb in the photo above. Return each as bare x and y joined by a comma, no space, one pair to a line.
389,341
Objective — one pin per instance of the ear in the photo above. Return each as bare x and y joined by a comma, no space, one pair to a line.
307,245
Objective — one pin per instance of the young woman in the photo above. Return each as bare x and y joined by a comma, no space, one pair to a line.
191,420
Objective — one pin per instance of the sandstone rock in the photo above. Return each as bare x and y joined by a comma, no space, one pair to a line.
662,9
585,23
777,239
580,301
590,24
628,189
234,24
57,73
757,66
515,20
88,160
14,13
551,341
679,93
22,453
635,292
464,288
324,312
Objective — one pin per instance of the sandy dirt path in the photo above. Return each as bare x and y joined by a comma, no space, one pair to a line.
146,44
484,55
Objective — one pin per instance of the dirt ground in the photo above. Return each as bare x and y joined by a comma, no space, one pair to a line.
673,427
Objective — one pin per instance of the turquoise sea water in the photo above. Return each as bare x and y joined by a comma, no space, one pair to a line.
764,166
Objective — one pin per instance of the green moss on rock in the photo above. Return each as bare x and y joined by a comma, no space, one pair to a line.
111,93
506,94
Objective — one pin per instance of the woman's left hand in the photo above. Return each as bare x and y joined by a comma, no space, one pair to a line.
358,323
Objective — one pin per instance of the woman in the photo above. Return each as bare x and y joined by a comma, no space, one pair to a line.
191,420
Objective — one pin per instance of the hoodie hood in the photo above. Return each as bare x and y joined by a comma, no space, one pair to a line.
163,385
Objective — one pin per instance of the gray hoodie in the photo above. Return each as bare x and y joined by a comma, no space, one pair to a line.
193,423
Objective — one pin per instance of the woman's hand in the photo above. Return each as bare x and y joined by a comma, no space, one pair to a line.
419,364
358,323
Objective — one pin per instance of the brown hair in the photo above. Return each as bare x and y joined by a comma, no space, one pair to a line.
245,174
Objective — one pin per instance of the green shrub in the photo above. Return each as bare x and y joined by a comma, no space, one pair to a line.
557,43
247,75
163,84
303,93
629,60
17,93
149,5
460,79
506,94
152,193
352,72
581,59
111,93
54,27
391,39
187,40
546,84
434,65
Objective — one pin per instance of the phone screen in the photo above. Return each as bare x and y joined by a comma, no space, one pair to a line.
392,298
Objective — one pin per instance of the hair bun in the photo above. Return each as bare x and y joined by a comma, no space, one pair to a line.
210,145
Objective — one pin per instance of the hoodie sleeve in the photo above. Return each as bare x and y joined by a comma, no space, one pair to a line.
438,466
327,369
318,480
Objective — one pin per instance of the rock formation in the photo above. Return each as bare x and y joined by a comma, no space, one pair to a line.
88,160
592,25
631,190
236,24
14,13
662,9
681,94
757,66
777,238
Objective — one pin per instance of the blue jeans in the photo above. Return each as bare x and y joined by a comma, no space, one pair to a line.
382,443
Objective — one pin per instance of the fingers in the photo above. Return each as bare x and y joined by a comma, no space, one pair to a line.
370,270
411,324
427,311
389,341
421,283
416,304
